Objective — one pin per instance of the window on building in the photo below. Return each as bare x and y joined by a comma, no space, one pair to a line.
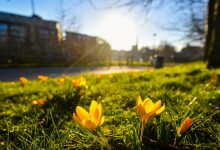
44,33
53,33
18,32
53,39
3,32
80,37
44,37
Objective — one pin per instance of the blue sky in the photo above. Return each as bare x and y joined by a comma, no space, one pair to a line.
90,19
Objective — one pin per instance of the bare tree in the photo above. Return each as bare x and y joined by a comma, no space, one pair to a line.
195,22
188,19
66,18
212,47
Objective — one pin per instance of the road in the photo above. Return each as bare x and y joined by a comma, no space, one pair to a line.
13,74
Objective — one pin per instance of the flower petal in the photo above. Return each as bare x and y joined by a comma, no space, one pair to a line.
77,119
81,113
102,120
89,124
146,118
93,111
138,100
100,110
148,106
160,110
139,110
93,107
185,125
157,105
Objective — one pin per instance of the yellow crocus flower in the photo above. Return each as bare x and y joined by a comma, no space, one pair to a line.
186,124
39,102
23,81
92,119
81,83
146,110
110,76
61,80
42,78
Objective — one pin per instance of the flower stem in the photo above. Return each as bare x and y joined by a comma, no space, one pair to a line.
142,132
104,142
102,147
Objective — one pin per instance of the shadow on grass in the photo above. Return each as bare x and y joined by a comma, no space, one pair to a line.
60,108
173,85
39,121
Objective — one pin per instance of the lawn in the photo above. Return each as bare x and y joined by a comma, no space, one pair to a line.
188,90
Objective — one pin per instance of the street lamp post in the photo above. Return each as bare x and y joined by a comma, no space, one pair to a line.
33,7
154,37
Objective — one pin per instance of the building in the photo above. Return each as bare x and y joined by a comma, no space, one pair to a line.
148,54
82,48
189,53
128,56
77,44
29,39
119,55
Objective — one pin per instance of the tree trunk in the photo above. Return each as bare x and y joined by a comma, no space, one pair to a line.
213,36
209,27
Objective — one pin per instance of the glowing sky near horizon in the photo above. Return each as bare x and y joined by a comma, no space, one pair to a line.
118,30
120,27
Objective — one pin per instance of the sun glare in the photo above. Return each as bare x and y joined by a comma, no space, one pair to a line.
119,31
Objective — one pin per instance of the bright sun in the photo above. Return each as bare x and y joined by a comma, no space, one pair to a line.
119,31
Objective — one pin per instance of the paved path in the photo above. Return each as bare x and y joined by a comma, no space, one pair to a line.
12,74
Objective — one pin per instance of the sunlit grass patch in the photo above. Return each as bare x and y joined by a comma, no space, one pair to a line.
188,90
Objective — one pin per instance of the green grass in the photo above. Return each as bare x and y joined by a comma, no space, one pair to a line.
188,90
